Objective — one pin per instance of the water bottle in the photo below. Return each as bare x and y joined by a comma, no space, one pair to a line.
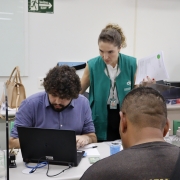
176,139
114,148
2,164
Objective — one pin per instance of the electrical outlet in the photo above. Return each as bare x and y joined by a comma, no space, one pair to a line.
40,82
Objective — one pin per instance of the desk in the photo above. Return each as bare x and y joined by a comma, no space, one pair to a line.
71,174
173,112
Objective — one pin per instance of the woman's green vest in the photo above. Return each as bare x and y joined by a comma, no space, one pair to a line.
100,85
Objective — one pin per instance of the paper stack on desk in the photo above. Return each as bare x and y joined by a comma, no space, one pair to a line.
90,150
11,112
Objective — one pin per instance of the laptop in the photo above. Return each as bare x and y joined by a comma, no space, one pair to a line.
52,145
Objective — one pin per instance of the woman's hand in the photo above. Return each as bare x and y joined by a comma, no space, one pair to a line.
147,81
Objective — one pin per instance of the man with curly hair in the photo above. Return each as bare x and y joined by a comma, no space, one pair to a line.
59,107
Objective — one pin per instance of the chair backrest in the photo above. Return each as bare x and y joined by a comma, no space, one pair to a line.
86,94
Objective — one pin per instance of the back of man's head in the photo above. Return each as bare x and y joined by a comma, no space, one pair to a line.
145,107
143,117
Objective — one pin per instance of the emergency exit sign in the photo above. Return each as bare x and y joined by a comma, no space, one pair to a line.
41,6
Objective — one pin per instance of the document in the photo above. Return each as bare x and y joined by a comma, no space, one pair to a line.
152,66
11,112
90,149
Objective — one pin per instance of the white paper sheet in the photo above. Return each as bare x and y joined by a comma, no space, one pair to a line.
152,66
11,112
90,151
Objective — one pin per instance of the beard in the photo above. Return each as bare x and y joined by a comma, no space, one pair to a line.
58,109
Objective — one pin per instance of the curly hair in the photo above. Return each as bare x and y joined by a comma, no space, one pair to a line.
145,107
113,33
63,82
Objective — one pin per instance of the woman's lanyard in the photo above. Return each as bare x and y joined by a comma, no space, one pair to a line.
113,101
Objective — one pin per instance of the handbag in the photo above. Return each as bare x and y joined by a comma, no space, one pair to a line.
15,89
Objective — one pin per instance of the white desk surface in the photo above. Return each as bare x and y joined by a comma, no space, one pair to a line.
10,113
174,106
70,174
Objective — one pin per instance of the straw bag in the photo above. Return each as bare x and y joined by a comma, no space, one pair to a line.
15,89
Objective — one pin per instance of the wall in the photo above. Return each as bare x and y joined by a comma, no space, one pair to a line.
157,28
71,33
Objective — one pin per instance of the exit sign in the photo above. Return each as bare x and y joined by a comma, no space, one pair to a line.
41,6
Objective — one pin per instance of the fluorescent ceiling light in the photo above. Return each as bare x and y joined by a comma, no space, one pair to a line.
6,13
6,19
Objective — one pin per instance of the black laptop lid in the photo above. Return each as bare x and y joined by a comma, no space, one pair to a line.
58,146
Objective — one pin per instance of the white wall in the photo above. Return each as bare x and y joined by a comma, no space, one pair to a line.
158,28
71,33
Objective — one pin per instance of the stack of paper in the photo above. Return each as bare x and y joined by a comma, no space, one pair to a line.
91,150
152,66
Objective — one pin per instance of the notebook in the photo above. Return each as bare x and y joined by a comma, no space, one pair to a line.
52,145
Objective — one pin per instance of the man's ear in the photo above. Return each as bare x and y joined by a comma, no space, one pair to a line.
123,122
166,128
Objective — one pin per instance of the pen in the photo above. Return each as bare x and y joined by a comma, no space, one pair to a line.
90,147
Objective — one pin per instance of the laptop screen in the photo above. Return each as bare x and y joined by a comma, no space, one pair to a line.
52,145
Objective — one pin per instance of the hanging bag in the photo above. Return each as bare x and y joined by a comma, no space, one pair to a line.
15,89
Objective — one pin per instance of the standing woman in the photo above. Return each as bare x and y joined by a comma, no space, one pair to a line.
110,77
